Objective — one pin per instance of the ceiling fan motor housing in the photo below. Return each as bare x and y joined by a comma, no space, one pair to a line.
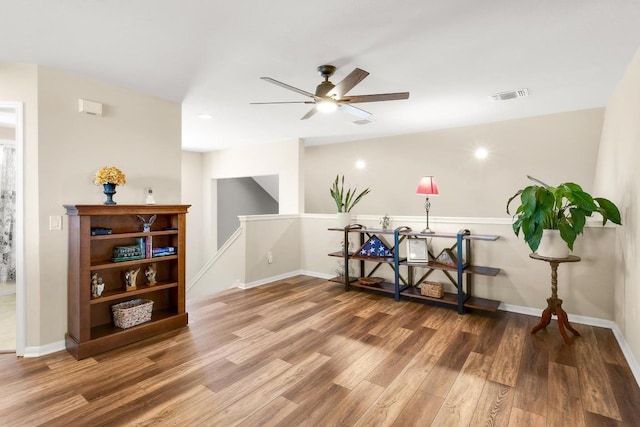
323,88
325,71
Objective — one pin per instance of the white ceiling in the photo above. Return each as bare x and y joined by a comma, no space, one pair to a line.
210,55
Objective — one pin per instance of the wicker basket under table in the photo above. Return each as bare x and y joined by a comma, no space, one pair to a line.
432,289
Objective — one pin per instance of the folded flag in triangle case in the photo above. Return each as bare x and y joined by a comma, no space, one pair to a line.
375,247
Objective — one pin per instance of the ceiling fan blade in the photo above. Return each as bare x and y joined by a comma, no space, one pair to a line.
286,86
377,97
309,113
359,112
348,83
282,102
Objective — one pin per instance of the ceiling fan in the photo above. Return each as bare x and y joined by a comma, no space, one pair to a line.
329,97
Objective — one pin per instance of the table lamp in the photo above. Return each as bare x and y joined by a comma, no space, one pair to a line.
427,187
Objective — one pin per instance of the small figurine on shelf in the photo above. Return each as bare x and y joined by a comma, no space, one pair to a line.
150,272
385,222
97,286
146,225
150,200
130,279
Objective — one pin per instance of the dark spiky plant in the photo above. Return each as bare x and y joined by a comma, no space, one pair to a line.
565,208
345,201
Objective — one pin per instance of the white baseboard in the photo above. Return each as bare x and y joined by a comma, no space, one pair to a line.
269,280
628,354
44,349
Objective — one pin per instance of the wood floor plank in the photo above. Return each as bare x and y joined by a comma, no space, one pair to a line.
399,393
446,371
596,390
533,374
270,414
186,406
312,411
564,403
626,391
419,411
596,420
369,360
509,354
521,418
349,351
270,355
395,362
459,405
494,405
265,392
45,408
352,406
609,348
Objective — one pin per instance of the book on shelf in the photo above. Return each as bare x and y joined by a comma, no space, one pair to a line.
127,253
148,247
127,258
99,231
164,251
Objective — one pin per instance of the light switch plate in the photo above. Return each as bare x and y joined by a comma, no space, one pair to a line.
55,222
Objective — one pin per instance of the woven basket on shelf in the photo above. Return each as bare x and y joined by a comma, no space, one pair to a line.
432,289
130,313
370,281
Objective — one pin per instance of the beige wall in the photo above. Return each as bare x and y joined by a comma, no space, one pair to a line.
192,195
538,146
618,178
279,235
138,133
282,159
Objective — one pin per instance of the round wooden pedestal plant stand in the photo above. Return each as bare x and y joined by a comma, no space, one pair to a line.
554,304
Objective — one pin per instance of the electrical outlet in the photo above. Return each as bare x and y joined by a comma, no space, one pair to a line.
269,257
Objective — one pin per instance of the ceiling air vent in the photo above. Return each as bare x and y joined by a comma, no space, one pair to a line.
361,122
512,94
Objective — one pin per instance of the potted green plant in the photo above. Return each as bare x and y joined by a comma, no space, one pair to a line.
345,201
546,212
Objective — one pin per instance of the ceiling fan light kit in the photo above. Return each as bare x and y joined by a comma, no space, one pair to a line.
329,97
326,106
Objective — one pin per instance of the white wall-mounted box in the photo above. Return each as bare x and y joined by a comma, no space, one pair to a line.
89,107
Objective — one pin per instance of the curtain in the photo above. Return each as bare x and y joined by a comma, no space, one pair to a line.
7,213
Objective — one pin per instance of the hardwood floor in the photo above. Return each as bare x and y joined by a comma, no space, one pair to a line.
302,352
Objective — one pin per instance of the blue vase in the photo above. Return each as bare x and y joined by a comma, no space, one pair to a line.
109,190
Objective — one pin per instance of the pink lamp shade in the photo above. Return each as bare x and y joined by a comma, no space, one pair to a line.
428,186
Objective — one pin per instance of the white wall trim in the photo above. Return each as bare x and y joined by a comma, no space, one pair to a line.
271,279
402,220
268,217
626,350
43,350
214,259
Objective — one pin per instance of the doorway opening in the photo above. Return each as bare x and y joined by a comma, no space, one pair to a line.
11,287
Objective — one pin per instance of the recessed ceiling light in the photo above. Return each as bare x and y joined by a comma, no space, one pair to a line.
481,153
360,164
205,116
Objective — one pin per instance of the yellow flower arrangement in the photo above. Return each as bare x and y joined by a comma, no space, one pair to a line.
110,175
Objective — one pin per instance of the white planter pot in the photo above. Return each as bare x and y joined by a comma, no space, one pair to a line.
552,245
343,219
